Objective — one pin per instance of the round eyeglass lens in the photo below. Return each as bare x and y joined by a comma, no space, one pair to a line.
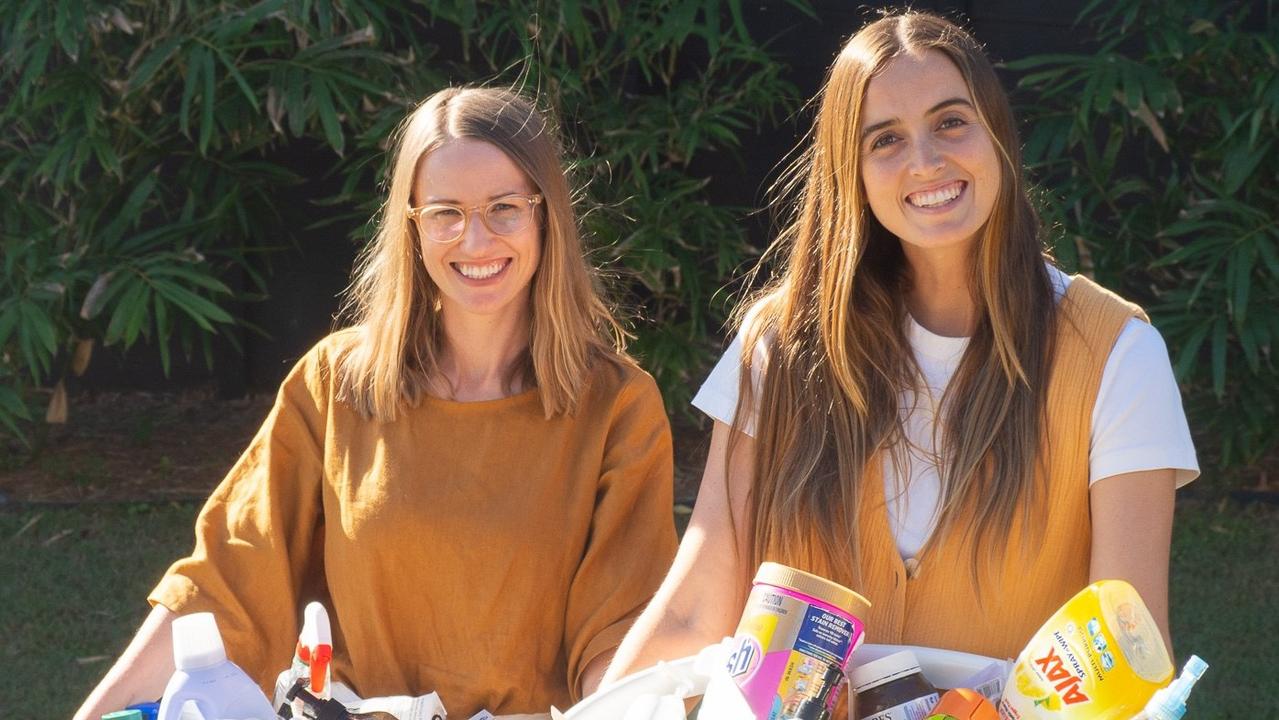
442,224
505,217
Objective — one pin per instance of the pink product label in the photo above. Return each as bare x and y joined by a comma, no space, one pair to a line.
785,645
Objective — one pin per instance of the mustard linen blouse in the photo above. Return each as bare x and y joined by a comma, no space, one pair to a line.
475,549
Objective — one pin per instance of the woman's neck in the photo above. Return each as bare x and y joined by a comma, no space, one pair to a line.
940,298
479,355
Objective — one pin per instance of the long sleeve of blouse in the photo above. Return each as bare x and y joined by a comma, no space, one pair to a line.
476,549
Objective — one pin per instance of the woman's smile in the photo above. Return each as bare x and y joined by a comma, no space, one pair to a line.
938,197
482,272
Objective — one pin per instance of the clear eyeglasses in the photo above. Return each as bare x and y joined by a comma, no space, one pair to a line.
445,223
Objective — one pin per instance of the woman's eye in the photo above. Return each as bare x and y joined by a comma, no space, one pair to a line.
445,213
952,122
883,141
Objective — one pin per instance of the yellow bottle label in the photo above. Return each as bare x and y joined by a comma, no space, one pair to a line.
1099,657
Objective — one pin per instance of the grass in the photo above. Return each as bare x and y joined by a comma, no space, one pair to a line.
74,590
75,579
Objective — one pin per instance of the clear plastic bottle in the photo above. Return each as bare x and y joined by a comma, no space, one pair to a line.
1170,703
219,689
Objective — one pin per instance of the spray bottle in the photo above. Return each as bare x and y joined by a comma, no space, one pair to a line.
314,654
218,687
1170,703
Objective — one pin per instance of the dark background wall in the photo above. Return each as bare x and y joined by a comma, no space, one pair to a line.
308,276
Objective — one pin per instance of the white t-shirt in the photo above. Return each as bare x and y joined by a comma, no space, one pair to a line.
1137,423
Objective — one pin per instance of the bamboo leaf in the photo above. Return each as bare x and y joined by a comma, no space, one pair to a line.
162,331
194,68
236,75
1243,260
153,61
123,309
1219,356
36,63
208,104
189,275
328,115
198,308
1189,351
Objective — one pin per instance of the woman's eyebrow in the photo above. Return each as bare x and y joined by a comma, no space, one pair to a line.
495,196
932,110
947,103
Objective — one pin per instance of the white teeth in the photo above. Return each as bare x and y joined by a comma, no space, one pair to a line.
933,198
481,272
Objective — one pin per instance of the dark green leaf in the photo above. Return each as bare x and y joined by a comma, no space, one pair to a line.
153,61
1219,356
208,103
328,115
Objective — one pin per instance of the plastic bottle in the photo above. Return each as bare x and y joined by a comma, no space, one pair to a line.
1170,702
1099,657
219,689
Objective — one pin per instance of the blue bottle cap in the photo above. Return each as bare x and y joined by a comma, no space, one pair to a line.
149,710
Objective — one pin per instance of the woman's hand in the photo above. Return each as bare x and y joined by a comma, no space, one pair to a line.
702,596
142,671
1132,535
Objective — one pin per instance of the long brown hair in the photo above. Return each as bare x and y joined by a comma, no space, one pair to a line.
395,305
833,327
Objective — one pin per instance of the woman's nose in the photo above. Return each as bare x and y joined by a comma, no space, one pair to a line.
476,235
926,158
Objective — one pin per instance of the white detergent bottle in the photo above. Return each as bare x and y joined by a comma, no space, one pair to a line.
217,687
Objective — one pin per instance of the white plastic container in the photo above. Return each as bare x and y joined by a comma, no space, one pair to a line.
217,687
633,696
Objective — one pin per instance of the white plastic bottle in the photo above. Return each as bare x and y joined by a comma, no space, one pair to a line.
219,689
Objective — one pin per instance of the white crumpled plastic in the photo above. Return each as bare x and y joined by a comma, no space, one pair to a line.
402,707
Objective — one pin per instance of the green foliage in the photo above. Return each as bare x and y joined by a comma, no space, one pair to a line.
145,150
1159,150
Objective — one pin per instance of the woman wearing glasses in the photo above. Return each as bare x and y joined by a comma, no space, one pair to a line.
474,478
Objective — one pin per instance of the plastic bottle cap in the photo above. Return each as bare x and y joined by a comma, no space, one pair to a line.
197,642
964,704
885,669
813,586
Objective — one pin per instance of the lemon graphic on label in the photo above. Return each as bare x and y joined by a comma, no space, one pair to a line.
1052,703
1031,689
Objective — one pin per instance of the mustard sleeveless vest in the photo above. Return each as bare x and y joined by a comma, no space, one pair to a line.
932,600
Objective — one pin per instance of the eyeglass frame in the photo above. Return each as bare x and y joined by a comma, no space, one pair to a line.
416,212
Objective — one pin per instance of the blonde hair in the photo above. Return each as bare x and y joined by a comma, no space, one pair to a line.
834,325
394,304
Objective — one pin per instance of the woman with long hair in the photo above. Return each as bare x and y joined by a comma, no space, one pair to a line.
474,477
920,405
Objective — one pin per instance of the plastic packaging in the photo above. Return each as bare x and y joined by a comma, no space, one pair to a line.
1100,657
149,710
794,629
1170,703
893,688
963,704
219,689
695,675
